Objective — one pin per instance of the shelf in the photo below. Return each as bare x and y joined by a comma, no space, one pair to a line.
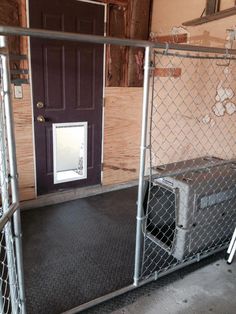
212,17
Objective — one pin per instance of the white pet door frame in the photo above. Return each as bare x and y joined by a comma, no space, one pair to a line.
69,151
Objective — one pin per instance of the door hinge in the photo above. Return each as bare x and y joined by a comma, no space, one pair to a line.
103,102
102,166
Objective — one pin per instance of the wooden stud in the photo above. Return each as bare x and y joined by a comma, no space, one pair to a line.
139,29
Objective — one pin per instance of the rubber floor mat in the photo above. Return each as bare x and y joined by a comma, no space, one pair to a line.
78,250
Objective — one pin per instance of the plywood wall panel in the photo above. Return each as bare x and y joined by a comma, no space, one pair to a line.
24,143
122,134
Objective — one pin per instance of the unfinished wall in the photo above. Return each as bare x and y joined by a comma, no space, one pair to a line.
169,14
197,120
24,143
121,146
123,108
126,19
123,105
194,114
12,12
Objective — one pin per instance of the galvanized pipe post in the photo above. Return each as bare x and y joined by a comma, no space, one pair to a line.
13,173
140,213
5,200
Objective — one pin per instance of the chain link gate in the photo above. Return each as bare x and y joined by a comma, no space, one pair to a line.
11,274
189,200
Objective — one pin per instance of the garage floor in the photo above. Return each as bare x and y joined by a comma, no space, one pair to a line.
206,287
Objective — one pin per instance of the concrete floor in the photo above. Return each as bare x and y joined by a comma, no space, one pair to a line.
211,289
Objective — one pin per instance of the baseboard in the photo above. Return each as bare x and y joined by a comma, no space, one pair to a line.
73,194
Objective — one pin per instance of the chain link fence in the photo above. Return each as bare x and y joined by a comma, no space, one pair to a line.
9,285
190,197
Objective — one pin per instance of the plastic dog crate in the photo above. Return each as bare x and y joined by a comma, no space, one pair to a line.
194,211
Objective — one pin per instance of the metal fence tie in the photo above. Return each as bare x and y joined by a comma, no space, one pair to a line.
166,49
141,218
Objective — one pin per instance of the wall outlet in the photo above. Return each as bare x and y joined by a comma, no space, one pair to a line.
18,92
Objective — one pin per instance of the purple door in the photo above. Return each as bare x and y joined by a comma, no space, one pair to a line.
67,82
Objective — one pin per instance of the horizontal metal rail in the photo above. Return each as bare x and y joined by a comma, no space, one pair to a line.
48,34
8,215
176,54
143,282
191,169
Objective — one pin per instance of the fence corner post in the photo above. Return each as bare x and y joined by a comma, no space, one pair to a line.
13,169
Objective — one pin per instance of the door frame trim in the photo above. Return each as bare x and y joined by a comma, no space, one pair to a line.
32,96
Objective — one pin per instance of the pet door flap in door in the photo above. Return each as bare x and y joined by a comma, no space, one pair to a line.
69,151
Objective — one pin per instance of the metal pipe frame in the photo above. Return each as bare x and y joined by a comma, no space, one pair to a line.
226,57
6,200
143,282
47,34
13,172
232,248
139,218
8,215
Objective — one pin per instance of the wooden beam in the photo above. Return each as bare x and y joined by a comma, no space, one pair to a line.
139,29
117,56
212,17
171,39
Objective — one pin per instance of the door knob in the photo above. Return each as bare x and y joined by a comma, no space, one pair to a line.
41,119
